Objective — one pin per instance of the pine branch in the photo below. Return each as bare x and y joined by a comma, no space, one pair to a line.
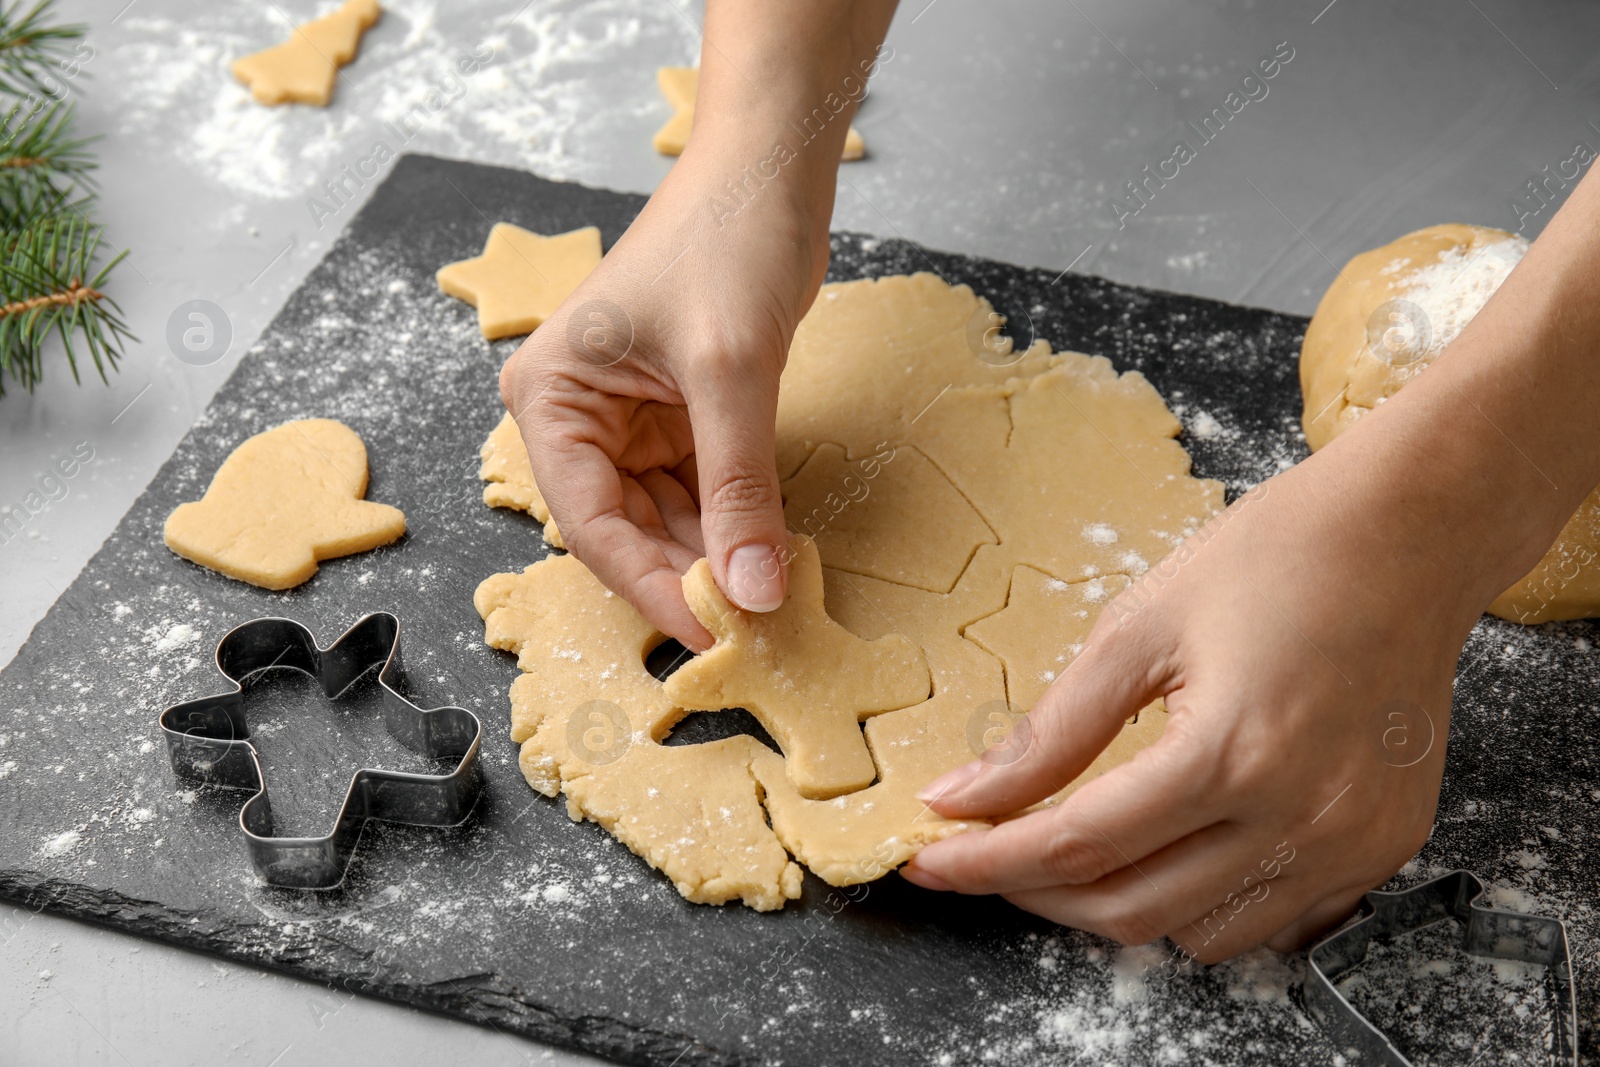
46,287
23,203
29,47
38,149
49,283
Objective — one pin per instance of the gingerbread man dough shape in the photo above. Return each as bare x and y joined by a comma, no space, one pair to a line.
807,679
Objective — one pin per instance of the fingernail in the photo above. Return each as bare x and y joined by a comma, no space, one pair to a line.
950,784
755,578
917,876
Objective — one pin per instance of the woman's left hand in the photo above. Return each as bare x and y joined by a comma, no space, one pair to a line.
1306,654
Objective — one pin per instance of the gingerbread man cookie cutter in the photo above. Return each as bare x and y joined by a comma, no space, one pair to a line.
208,740
1486,931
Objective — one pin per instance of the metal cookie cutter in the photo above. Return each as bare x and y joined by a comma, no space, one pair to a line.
1499,934
208,740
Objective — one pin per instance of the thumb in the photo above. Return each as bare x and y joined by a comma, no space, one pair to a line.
1081,712
733,410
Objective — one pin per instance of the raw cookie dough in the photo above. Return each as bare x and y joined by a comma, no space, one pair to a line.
680,85
1389,314
826,501
283,500
1386,317
522,277
302,69
980,503
589,717
804,677
1074,467
1027,635
509,476
861,836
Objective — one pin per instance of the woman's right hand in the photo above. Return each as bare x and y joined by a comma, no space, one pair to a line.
648,402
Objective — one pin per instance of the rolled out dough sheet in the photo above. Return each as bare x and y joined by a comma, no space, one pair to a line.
973,506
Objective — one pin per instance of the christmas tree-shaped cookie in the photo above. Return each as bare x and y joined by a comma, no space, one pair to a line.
302,69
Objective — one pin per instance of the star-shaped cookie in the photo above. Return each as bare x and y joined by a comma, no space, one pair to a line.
283,500
522,277
680,85
302,69
810,692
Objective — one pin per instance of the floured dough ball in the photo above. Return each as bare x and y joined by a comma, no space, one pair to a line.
1390,313
1387,317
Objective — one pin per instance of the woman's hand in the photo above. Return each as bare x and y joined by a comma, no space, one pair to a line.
648,401
1306,644
1306,664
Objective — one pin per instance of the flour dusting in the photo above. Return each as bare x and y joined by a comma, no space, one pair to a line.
1450,293
468,82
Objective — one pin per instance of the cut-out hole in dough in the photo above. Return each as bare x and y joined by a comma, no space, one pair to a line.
665,659
877,770
703,727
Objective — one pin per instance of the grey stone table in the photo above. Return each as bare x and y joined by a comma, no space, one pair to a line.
1005,129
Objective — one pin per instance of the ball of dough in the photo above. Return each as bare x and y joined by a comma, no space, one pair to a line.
1386,317
1390,312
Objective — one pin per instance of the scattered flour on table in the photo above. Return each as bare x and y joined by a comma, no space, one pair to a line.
530,98
1205,425
1223,449
61,843
1448,1007
1129,966
177,636
1090,1003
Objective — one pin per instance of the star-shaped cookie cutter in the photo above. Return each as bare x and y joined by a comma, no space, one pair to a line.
208,741
1486,931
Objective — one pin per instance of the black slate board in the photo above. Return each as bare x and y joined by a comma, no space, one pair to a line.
551,929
